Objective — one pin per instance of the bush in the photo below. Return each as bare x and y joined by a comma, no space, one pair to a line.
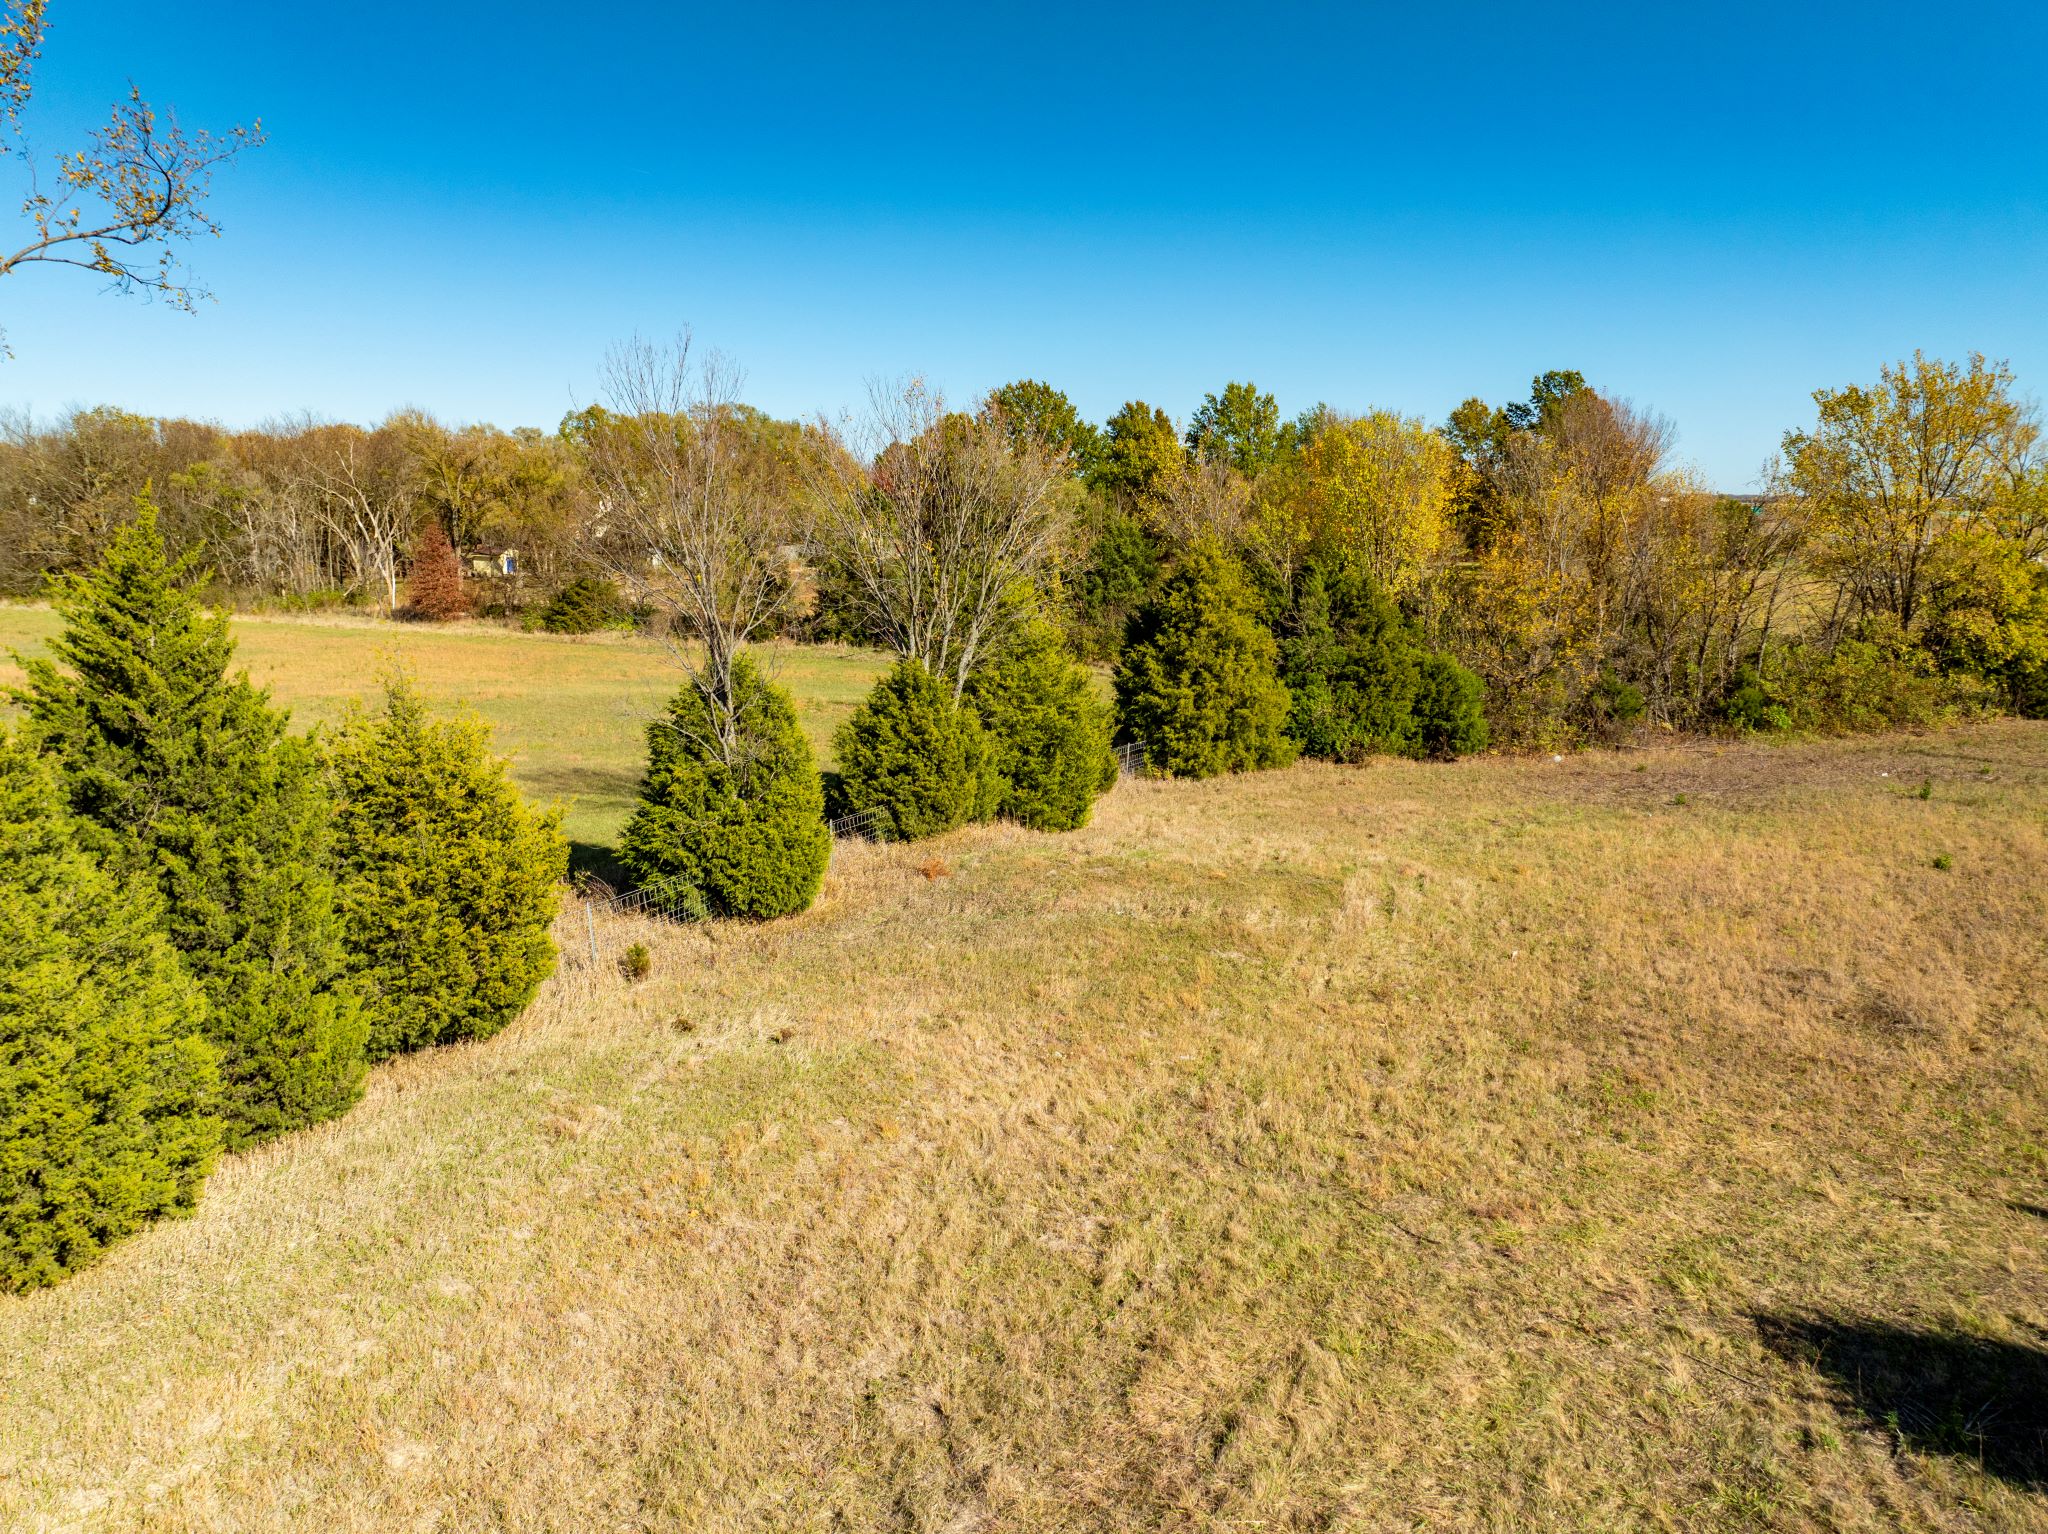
186,777
1874,679
1612,706
448,881
1753,705
921,759
746,828
584,606
636,962
1196,682
106,1084
1048,733
1450,709
1351,667
1360,679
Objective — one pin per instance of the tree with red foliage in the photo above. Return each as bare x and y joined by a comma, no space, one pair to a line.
437,590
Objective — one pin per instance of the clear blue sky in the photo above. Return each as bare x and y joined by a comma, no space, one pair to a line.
1708,209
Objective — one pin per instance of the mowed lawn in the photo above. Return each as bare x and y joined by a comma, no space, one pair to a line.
570,713
1654,1140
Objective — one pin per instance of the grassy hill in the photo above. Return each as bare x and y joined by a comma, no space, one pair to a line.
571,713
1652,1140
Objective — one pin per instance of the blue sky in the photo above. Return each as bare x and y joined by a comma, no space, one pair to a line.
1710,210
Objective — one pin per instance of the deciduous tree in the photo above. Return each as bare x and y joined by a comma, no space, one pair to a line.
122,204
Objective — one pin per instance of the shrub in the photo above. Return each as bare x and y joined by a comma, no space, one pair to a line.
1612,706
1753,704
1196,681
1360,678
914,754
448,881
185,776
1450,708
745,827
1876,678
1048,733
636,962
436,592
106,1083
584,606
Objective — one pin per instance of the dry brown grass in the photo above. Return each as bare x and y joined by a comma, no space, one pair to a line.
1453,1147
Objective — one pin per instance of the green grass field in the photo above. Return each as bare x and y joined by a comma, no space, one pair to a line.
570,713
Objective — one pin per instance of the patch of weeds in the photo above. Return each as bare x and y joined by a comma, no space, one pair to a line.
1926,788
1943,862
635,962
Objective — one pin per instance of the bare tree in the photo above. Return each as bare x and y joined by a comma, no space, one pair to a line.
364,489
940,526
689,518
1206,497
121,204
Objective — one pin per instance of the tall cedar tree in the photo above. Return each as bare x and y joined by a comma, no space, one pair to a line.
746,829
1047,730
437,592
1196,682
448,880
185,775
106,1085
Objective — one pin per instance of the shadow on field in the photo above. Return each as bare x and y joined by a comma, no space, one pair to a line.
578,782
1935,1392
594,860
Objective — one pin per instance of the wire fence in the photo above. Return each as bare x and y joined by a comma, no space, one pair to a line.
1132,760
866,825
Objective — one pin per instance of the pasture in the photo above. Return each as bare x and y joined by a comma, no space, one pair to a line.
1653,1140
569,712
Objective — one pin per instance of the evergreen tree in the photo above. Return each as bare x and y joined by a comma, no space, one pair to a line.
1361,679
185,776
1048,733
746,828
585,605
1197,681
448,881
1450,712
917,756
106,1084
1351,664
436,592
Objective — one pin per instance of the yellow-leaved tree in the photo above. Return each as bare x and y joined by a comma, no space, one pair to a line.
1379,489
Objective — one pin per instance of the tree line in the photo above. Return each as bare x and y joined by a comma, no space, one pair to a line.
1891,570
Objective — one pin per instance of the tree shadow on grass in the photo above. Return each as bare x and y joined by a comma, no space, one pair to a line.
595,862
579,782
1935,1392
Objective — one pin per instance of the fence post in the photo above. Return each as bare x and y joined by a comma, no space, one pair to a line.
590,926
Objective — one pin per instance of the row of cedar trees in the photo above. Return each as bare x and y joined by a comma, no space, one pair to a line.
1893,571
209,926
